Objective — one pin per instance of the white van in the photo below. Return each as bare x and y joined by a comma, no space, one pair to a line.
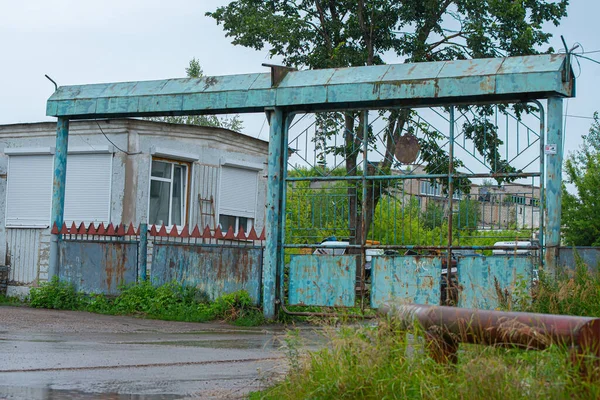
516,247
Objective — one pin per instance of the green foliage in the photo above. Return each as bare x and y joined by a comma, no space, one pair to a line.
170,301
234,123
384,362
57,295
334,34
581,211
314,214
433,217
10,300
468,214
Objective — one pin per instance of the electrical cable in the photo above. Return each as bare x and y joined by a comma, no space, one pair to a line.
578,116
111,142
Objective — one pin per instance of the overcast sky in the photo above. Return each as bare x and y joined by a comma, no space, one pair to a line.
79,42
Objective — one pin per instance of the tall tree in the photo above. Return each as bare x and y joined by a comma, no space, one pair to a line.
343,33
581,211
194,70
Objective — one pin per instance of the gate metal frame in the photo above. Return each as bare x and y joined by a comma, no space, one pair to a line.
283,93
364,177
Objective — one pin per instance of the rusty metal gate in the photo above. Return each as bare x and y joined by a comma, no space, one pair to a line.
435,206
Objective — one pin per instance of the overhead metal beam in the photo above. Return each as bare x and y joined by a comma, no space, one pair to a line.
494,80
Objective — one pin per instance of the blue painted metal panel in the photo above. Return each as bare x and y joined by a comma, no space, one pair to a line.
589,255
436,83
409,279
98,267
322,280
477,277
214,270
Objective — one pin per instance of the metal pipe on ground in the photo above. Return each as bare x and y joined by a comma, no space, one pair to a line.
446,327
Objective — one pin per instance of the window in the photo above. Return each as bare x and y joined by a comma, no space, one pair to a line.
168,193
87,194
226,221
29,192
518,199
237,198
435,189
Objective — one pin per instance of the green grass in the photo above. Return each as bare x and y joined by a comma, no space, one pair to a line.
384,362
574,292
10,301
171,302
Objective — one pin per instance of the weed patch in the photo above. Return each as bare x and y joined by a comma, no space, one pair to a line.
385,362
571,292
170,301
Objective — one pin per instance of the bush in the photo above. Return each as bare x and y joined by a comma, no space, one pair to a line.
55,294
170,301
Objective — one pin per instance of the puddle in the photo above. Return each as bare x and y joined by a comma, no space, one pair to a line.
236,344
26,393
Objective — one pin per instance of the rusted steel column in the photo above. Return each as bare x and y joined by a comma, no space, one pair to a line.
58,190
275,181
446,327
554,159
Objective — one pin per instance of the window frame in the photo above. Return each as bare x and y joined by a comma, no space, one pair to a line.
247,228
185,197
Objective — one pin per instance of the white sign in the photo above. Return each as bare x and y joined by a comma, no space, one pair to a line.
550,149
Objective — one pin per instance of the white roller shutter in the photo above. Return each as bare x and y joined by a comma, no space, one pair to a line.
87,196
29,191
238,192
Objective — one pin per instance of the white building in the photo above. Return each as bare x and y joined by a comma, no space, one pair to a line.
124,171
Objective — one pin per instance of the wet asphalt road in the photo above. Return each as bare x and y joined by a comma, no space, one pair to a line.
48,354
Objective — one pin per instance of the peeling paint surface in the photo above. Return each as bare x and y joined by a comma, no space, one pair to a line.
477,276
98,267
407,279
322,280
214,270
377,86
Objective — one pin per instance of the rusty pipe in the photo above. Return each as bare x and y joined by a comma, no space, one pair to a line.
527,330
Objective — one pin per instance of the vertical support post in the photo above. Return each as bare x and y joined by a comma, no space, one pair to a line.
542,199
58,190
273,225
363,213
143,252
553,197
449,287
